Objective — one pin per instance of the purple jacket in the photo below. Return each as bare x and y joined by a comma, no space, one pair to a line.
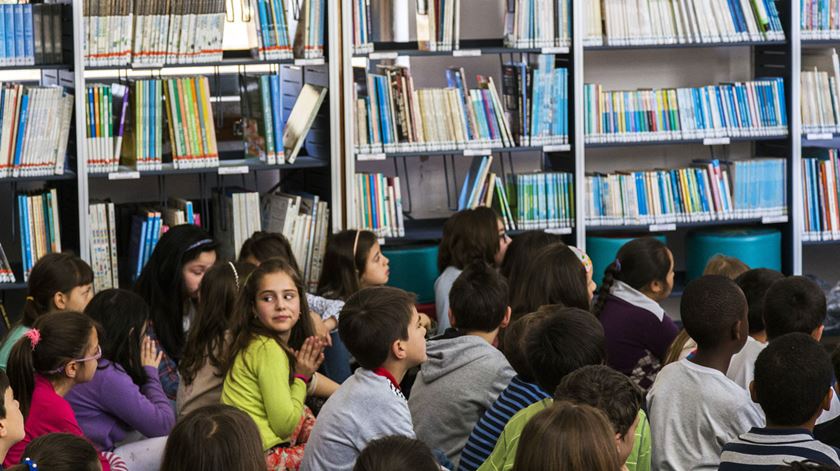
111,405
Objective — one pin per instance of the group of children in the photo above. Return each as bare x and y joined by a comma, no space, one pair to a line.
214,365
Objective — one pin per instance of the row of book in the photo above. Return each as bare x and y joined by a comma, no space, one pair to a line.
272,37
378,202
538,23
742,109
821,196
6,273
103,246
148,224
236,216
820,19
34,130
536,101
819,103
40,227
31,34
630,23
709,190
105,114
362,38
438,24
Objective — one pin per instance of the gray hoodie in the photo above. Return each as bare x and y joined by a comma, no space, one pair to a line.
461,379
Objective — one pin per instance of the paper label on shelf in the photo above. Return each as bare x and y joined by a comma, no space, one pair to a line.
379,156
135,175
239,169
559,230
716,141
825,136
383,55
557,148
466,52
662,227
555,50
314,61
774,219
477,152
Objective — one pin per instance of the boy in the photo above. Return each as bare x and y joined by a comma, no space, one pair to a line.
464,372
11,420
383,331
694,408
793,386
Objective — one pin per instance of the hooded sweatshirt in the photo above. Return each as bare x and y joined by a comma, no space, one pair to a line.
461,378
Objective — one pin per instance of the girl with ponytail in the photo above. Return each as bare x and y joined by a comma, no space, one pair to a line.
637,329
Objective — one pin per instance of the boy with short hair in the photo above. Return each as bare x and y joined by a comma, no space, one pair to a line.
382,329
11,420
694,408
464,372
793,378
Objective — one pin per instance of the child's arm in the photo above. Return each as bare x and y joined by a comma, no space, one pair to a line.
322,386
283,402
148,410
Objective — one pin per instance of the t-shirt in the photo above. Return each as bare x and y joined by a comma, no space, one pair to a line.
742,367
10,341
694,411
443,285
767,449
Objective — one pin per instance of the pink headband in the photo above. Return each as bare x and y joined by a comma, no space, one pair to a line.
34,337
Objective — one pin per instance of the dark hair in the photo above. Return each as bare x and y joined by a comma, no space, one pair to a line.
208,335
4,385
121,317
262,246
396,452
568,339
53,273
468,236
605,388
709,306
755,283
478,298
641,262
60,452
214,438
793,304
567,436
372,320
161,283
514,343
522,252
792,377
343,266
724,265
555,276
245,326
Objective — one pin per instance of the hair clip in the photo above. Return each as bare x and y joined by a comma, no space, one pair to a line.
356,242
235,274
30,298
199,244
617,265
584,259
30,464
34,336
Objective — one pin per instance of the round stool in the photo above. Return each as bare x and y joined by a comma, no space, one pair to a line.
414,269
603,249
758,248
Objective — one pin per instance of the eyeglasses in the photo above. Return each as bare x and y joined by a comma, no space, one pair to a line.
96,356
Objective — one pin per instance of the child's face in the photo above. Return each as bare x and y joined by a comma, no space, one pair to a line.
504,241
11,428
590,285
278,303
376,267
76,299
415,346
661,290
625,443
194,271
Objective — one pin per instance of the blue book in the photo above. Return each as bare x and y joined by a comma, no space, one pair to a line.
702,190
277,111
20,49
3,57
149,237
264,28
137,244
780,91
9,16
469,181
28,37
22,219
24,108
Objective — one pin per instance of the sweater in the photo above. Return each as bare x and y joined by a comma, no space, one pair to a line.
110,406
204,390
461,378
367,406
9,342
48,413
258,384
768,449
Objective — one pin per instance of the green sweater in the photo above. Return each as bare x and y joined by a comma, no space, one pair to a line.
504,453
258,384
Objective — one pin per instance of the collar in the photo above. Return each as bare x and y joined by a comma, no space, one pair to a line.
387,374
623,291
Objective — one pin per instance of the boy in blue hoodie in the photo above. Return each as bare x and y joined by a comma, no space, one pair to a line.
464,373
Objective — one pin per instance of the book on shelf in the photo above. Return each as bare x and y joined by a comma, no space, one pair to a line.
31,34
708,190
271,31
438,24
34,130
236,215
742,109
536,101
309,35
539,23
820,100
6,273
378,203
105,113
631,23
261,101
142,145
103,246
40,228
362,27
821,191
301,118
147,223
819,20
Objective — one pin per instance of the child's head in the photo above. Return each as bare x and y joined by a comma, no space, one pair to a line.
555,276
353,260
11,419
214,438
123,317
514,343
478,299
646,265
57,282
714,313
723,265
755,283
522,250
60,452
567,436
396,452
568,339
472,235
610,391
794,304
588,268
381,324
262,246
62,346
793,378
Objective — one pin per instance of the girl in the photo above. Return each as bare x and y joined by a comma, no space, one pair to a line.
57,282
201,378
396,452
567,437
214,438
353,260
468,236
59,452
521,251
169,283
272,360
58,353
125,395
637,329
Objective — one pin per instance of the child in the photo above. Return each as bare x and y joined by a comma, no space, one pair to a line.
59,452
57,282
125,395
568,437
396,452
556,275
829,432
169,284
58,353
200,366
353,260
11,420
468,236
214,438
638,330
793,378
723,265
522,251
271,362
464,373
694,408
383,331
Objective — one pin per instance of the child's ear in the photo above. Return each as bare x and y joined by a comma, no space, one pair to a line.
451,317
818,333
826,402
506,320
4,431
736,330
71,369
655,287
59,300
397,350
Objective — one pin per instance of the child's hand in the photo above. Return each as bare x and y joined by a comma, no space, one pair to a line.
149,355
321,328
309,357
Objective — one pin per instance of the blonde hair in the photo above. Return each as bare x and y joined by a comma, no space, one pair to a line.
725,265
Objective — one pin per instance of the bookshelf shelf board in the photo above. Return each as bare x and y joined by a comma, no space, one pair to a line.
232,62
226,167
820,242
466,48
832,143
67,175
12,286
681,225
683,141
36,67
820,42
362,156
685,45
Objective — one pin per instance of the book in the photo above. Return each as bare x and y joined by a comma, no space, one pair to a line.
236,215
378,203
819,20
821,195
107,109
820,98
31,33
261,101
538,23
40,228
301,118
142,128
6,273
103,247
438,24
309,33
192,131
362,39
536,101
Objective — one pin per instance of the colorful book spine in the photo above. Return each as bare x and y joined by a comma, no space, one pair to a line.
378,203
821,196
39,224
538,23
438,24
819,19
820,99
362,40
